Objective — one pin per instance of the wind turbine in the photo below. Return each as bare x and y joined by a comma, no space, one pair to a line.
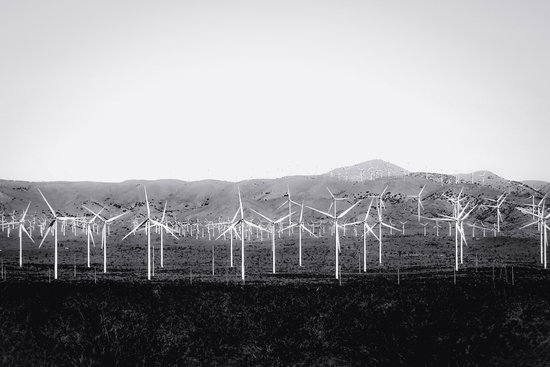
89,231
222,234
163,221
53,224
380,197
240,222
334,200
419,200
272,224
289,201
403,227
458,219
302,226
541,220
335,218
483,178
380,223
424,225
147,224
497,205
366,229
21,224
106,223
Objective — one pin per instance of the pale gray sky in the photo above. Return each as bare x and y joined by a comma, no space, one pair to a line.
115,90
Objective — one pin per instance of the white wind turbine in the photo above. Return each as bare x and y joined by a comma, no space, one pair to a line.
483,178
497,206
381,223
437,227
403,227
106,223
230,235
361,173
458,219
302,226
335,219
424,225
163,221
541,220
419,201
289,201
89,232
272,224
53,224
334,200
147,224
366,229
21,224
232,227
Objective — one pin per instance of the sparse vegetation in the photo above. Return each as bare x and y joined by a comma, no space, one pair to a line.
422,321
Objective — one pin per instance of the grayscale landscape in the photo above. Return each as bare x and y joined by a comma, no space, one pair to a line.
417,303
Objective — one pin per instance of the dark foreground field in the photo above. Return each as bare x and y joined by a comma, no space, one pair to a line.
483,319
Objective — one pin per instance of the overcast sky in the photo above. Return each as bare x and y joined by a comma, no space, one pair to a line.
116,90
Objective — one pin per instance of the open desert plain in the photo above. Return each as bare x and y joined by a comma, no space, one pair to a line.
368,264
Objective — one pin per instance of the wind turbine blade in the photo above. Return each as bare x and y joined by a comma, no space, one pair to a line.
164,212
331,194
254,225
290,226
368,210
49,206
114,218
371,230
135,228
283,204
96,215
25,212
166,228
24,230
147,203
261,215
347,211
467,214
45,236
283,218
387,225
227,230
307,229
240,203
529,224
463,210
91,235
322,212
235,216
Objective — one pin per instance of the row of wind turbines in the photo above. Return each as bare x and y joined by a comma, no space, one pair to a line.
239,226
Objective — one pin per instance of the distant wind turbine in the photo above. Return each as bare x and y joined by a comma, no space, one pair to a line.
272,223
240,222
419,201
106,223
302,226
147,224
53,226
366,230
21,224
335,219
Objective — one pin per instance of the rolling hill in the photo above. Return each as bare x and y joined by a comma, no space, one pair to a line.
214,200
